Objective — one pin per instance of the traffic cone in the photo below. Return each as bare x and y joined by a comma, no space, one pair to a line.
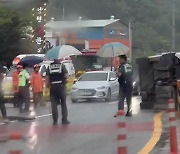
122,134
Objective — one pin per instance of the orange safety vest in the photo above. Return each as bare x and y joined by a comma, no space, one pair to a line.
15,78
36,82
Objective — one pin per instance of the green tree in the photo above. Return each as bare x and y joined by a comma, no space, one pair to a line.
10,34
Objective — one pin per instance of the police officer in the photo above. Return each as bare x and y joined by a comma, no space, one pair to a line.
124,73
56,79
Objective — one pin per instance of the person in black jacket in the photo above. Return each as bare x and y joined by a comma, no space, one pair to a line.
57,78
124,73
2,101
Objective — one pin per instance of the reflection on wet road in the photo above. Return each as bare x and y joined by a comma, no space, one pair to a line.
93,130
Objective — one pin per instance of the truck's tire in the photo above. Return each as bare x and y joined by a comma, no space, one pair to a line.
145,106
144,96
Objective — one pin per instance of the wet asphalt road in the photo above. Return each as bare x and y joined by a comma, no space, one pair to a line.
93,130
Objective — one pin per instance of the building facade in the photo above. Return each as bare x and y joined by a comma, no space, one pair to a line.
88,35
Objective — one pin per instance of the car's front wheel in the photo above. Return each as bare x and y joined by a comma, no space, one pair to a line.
108,97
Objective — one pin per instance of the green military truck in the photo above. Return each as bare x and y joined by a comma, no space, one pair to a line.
158,77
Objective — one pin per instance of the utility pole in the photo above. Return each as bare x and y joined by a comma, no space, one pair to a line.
130,41
63,12
173,27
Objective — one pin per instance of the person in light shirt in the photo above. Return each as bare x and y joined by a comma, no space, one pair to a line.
24,94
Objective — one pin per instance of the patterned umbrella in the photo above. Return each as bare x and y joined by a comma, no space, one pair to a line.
113,49
62,52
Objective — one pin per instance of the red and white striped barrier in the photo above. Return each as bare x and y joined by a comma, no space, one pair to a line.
172,125
13,136
122,134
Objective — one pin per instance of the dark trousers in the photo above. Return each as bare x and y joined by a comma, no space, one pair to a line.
58,96
2,107
24,98
125,91
37,98
16,99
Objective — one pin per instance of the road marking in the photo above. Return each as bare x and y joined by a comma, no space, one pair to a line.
37,117
113,103
45,115
2,123
155,136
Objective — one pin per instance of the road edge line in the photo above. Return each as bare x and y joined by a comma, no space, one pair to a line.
155,135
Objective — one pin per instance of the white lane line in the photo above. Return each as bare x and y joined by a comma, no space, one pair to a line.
45,115
41,116
113,103
2,123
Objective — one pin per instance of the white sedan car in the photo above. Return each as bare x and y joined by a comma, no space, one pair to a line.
95,84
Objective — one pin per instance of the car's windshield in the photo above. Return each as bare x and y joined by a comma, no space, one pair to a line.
94,77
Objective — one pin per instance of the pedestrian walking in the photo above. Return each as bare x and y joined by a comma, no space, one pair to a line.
37,85
124,73
2,101
24,95
56,80
15,78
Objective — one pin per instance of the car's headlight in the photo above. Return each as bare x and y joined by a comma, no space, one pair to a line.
134,84
102,87
74,88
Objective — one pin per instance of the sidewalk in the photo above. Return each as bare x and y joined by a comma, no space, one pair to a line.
163,146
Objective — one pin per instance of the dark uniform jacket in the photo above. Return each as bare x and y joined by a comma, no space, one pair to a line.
126,77
56,73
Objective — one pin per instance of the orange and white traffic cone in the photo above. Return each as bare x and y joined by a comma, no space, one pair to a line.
173,132
122,134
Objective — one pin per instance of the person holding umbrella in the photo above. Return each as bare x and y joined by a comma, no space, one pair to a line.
124,73
56,79
37,85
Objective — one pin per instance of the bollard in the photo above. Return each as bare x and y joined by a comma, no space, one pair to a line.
12,136
172,124
122,134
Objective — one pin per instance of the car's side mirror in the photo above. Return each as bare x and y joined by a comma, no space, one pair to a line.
112,79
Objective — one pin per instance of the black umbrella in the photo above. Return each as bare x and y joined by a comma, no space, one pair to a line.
30,61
